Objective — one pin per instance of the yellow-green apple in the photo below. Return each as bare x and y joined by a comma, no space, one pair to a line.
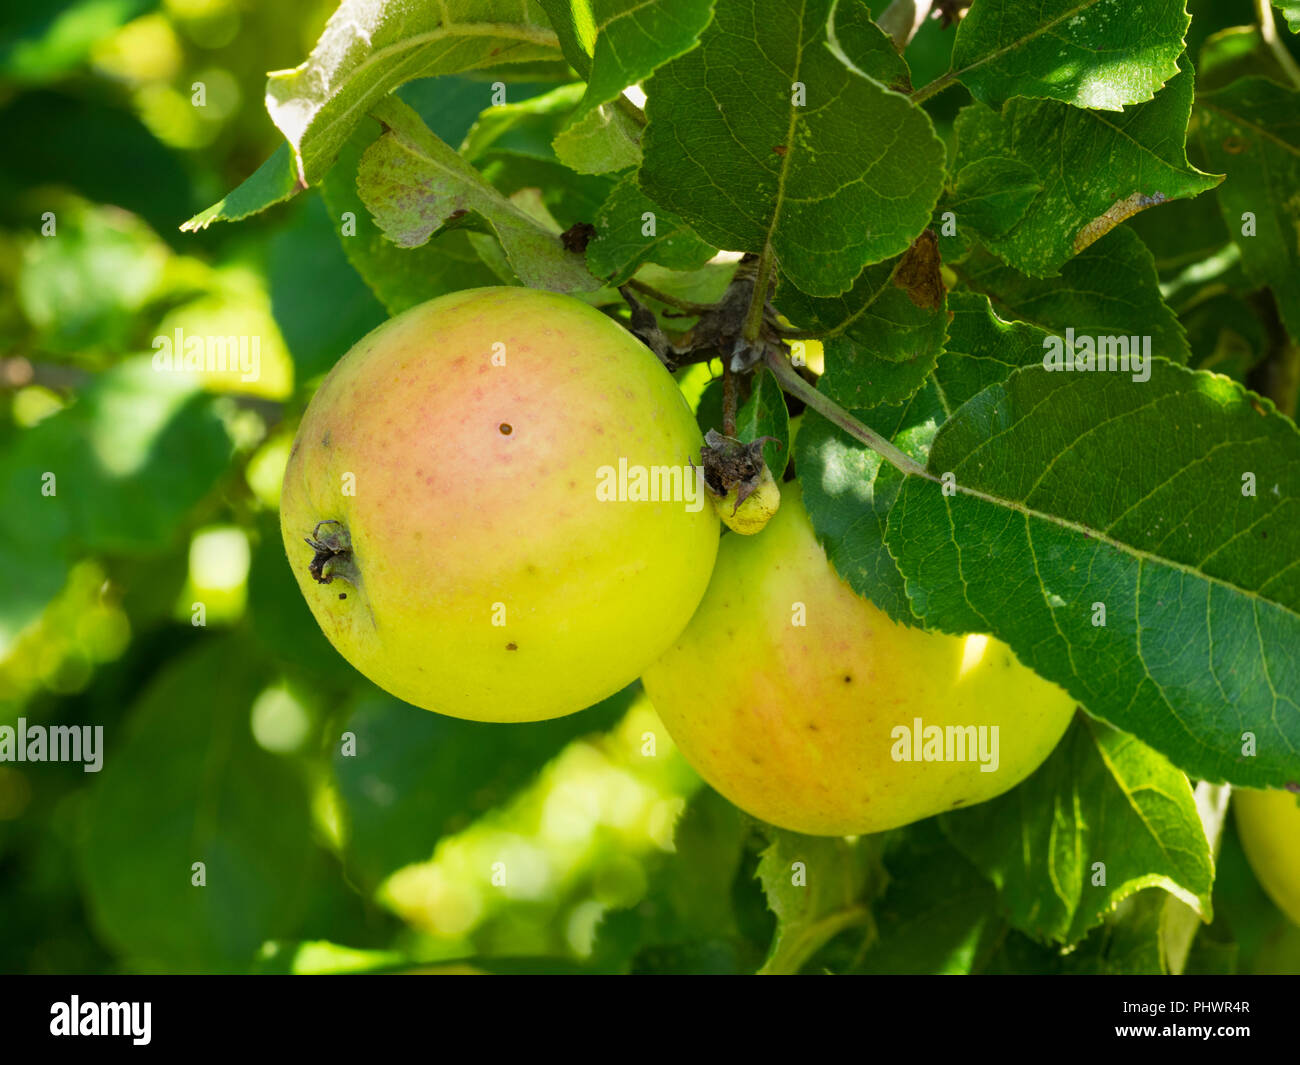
1269,825
502,518
811,709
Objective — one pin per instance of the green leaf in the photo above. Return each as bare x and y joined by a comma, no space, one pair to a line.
525,127
1226,335
400,277
880,342
862,46
601,142
370,47
1096,169
1291,12
413,184
85,288
854,377
118,486
614,44
1251,130
764,414
1127,944
416,776
101,476
1236,52
1103,804
622,244
938,915
189,784
273,182
1080,52
1172,505
982,349
848,490
762,137
1184,235
688,920
992,193
818,888
1109,289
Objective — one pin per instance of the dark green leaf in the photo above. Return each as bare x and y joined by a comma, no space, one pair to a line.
1173,506
1251,130
1081,52
762,137
622,244
1109,289
1104,817
189,784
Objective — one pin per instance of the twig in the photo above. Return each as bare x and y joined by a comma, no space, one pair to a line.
830,410
934,88
672,301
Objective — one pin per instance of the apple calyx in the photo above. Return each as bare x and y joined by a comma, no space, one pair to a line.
333,556
735,474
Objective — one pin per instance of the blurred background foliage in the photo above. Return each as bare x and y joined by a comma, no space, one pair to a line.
585,842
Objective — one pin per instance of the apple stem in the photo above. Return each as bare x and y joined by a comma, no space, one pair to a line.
728,400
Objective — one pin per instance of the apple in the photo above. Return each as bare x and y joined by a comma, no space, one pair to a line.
1268,823
799,700
469,481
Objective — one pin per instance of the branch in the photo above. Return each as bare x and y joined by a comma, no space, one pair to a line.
934,88
672,301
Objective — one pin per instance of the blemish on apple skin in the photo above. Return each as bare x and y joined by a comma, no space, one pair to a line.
512,647
325,440
506,428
